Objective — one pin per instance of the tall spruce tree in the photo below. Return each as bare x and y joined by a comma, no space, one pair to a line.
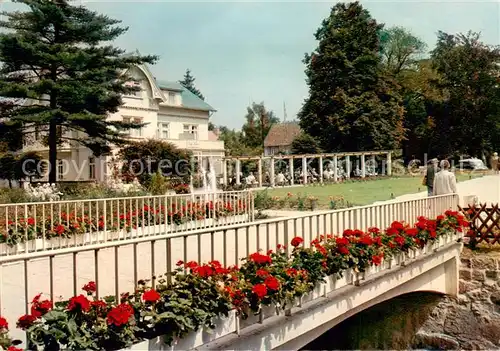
188,83
351,104
58,55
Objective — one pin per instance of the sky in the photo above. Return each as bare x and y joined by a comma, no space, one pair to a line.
241,52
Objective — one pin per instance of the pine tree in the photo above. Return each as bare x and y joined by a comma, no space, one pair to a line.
351,104
54,54
188,83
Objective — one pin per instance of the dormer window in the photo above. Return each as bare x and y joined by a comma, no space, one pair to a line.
172,98
137,93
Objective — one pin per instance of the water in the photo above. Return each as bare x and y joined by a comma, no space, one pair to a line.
209,183
390,325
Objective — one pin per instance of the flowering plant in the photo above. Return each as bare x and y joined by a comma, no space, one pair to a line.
201,293
18,229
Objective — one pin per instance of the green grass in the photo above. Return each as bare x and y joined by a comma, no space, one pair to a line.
361,192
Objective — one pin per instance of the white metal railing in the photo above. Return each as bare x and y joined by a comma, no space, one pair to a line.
116,266
30,227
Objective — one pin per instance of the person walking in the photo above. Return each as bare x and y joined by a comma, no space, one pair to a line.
430,173
494,162
444,180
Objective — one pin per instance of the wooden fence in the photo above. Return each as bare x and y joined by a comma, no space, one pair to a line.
484,223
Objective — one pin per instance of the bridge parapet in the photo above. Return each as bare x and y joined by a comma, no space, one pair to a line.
433,268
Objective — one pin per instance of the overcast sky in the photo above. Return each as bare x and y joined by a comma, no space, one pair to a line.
252,51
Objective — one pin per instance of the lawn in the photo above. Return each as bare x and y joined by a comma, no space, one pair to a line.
360,192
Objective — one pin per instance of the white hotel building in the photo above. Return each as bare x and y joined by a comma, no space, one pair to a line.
172,113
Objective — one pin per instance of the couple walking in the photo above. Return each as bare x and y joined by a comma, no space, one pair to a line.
440,181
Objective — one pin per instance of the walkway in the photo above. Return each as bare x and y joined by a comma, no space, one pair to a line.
486,188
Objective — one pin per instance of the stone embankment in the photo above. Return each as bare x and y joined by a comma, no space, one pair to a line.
472,320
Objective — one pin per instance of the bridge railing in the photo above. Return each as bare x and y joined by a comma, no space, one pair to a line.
116,266
38,226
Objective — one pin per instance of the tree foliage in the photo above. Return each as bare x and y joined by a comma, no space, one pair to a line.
143,159
469,75
258,123
400,49
352,104
188,83
305,144
53,53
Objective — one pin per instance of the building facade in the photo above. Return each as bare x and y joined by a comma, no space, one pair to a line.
280,137
169,111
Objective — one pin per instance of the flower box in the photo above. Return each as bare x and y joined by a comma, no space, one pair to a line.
223,327
334,282
109,235
265,312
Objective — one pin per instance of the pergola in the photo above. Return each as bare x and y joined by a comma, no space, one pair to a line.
336,157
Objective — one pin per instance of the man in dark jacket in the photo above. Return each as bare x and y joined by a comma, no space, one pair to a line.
432,169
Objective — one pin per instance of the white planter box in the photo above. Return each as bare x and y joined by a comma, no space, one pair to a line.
223,327
334,282
265,312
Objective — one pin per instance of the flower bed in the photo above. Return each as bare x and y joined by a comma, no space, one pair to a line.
202,294
48,224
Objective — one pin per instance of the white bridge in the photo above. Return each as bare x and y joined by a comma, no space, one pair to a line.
116,266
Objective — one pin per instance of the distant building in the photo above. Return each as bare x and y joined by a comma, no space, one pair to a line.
280,138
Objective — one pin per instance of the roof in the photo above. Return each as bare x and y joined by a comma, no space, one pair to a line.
189,100
212,136
282,134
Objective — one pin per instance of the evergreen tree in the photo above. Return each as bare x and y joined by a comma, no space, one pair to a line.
188,83
54,54
351,104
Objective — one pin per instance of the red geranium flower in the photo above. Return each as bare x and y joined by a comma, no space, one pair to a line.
151,296
90,288
397,225
343,250
3,323
39,308
297,241
260,290
342,241
377,259
262,273
260,259
120,314
99,304
26,321
272,283
13,348
411,232
79,302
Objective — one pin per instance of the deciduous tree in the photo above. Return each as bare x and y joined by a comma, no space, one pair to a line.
54,53
352,105
470,116
258,123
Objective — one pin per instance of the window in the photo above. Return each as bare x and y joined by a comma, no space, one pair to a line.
92,167
163,130
60,169
171,98
137,132
137,93
191,129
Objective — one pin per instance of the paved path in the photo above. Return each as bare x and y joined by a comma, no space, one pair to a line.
486,188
